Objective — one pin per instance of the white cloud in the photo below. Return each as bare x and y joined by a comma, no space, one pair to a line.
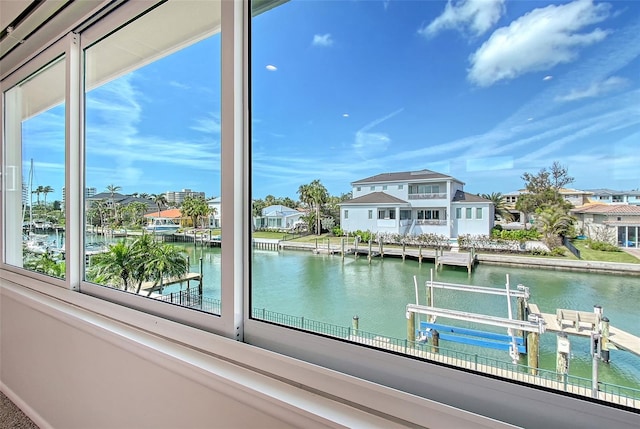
547,78
322,40
369,144
539,40
595,89
271,67
467,16
208,125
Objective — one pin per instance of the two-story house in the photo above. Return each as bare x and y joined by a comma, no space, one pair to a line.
414,203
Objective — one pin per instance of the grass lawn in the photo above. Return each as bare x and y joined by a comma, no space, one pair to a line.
598,255
586,253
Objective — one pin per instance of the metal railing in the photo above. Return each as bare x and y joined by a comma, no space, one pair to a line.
191,298
622,395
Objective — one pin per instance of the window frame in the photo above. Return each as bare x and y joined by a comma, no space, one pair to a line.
454,387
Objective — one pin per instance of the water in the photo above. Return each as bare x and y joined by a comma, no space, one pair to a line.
327,289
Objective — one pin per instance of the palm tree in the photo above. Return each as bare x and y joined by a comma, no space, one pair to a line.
499,205
314,195
166,261
46,190
113,267
39,190
554,222
112,190
160,200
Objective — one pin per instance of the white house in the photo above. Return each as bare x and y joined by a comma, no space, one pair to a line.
215,216
413,203
278,216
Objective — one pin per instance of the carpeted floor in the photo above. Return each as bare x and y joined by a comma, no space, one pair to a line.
11,417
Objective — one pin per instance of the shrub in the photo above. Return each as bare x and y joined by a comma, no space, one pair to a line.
337,231
602,246
558,251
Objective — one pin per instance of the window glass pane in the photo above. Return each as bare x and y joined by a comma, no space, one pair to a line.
511,134
35,165
152,196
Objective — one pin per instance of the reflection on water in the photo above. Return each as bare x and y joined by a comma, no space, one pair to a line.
331,290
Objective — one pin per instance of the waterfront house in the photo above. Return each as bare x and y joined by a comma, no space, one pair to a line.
215,212
174,215
414,203
278,216
615,223
609,196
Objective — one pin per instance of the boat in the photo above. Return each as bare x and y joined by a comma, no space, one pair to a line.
162,226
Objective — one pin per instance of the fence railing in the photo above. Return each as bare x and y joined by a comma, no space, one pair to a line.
569,245
191,298
622,395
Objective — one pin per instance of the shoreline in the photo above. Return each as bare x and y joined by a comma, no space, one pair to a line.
504,260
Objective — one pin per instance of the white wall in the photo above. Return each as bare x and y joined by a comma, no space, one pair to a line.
69,367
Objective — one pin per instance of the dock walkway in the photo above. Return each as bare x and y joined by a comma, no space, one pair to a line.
153,286
619,338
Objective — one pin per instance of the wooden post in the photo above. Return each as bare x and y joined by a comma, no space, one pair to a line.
533,343
435,342
403,249
355,323
200,282
420,254
369,257
355,247
604,331
411,329
562,356
316,245
521,314
342,245
328,246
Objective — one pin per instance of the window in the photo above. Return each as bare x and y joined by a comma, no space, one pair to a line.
152,145
34,160
384,187
372,188
157,100
478,213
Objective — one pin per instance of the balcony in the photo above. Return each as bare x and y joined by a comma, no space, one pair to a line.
432,196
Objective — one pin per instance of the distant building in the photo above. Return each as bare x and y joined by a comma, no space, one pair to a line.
609,196
177,197
614,223
88,193
414,203
215,217
278,217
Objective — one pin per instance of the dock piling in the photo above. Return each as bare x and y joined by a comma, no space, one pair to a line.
562,356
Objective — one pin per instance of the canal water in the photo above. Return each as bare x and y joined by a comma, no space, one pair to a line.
327,289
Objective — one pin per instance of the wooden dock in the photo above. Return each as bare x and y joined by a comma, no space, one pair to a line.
465,259
622,340
152,286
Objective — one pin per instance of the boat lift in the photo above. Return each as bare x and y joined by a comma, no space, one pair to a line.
533,323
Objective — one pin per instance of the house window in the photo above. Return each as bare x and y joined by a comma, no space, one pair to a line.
346,214
405,214
370,214
478,213
384,187
382,214
468,213
372,188
392,214
400,187
358,188
458,213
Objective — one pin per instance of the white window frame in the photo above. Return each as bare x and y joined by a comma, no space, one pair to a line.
479,393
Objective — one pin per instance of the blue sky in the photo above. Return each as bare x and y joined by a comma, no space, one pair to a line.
342,90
